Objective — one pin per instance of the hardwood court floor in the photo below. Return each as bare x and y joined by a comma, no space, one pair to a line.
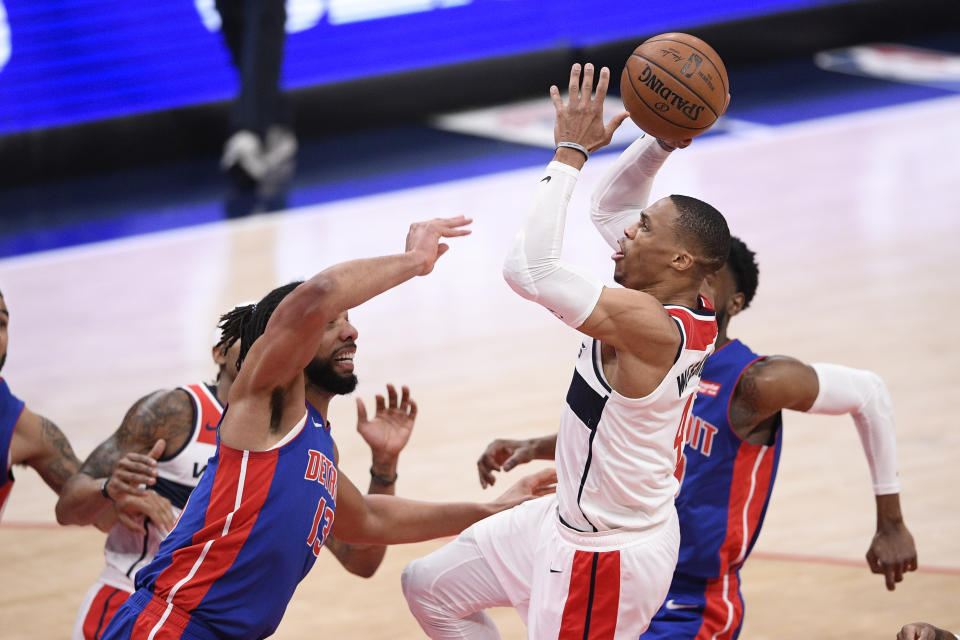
855,223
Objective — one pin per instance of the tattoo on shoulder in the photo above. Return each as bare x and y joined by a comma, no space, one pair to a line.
162,414
743,405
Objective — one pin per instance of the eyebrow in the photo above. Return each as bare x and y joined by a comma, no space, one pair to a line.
644,217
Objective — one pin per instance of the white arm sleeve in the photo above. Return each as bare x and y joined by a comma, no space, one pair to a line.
864,396
533,267
625,188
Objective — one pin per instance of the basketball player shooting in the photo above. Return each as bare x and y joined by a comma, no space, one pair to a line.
265,505
596,559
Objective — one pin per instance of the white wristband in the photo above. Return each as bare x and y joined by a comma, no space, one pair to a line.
573,145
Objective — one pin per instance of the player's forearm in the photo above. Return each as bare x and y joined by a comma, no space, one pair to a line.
625,188
533,268
889,515
81,501
545,447
865,397
394,520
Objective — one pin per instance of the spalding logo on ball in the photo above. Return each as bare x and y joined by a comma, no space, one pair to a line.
675,86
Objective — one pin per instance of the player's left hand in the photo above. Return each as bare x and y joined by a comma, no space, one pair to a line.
134,471
529,487
580,120
892,553
921,631
389,430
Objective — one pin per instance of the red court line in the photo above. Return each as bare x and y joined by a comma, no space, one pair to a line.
843,562
28,524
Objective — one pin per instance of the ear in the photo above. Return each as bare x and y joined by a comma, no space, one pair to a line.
735,304
682,261
219,357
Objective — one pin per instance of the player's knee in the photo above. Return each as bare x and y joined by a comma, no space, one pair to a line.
415,582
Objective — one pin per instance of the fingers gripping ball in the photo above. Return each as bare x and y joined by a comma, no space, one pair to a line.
674,86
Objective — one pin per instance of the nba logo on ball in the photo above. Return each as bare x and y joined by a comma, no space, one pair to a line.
674,86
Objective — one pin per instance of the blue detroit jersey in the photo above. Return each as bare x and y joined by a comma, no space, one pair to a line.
249,533
10,409
726,486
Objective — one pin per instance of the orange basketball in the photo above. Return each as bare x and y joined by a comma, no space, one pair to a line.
674,86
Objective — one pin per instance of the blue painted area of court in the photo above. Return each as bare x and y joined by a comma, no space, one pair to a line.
139,201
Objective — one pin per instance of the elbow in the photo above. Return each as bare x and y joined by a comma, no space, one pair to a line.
364,570
63,513
516,272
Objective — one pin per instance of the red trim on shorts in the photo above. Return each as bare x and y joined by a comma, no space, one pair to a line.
104,604
593,598
717,612
225,548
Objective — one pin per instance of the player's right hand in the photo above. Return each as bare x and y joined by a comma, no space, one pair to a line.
503,455
423,239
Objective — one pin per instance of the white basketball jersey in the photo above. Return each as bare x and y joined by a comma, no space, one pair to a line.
616,456
126,551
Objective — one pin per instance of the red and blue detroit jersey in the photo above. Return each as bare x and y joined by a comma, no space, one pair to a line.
249,533
726,482
10,409
726,485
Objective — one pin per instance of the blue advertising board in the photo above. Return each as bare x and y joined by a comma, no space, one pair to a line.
70,61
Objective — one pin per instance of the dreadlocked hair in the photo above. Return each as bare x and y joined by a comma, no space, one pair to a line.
247,323
742,263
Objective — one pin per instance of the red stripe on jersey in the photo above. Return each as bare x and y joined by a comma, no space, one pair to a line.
104,604
606,597
209,414
724,609
173,624
224,549
700,331
742,493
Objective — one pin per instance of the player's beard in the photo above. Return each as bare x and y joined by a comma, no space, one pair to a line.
322,374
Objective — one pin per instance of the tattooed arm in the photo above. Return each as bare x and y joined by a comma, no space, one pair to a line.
40,444
156,425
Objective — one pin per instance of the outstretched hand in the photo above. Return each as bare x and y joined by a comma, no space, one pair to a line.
580,119
503,455
423,239
529,487
923,631
389,430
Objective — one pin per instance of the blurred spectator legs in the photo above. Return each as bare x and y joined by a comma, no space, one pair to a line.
262,146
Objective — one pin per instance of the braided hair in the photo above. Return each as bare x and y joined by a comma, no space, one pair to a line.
742,263
246,323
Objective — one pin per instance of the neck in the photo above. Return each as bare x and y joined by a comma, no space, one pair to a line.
683,294
722,338
319,398
222,389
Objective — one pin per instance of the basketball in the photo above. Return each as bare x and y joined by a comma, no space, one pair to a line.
674,86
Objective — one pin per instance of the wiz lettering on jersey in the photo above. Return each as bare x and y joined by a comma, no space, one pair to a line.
249,533
616,456
10,409
726,488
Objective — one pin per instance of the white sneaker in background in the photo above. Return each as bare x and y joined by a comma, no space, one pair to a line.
243,152
280,147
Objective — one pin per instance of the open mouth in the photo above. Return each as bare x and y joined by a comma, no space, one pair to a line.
618,255
344,359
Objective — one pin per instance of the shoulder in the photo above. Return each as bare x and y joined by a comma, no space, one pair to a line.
777,382
166,413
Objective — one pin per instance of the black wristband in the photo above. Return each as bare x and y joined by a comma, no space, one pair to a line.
381,479
103,489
